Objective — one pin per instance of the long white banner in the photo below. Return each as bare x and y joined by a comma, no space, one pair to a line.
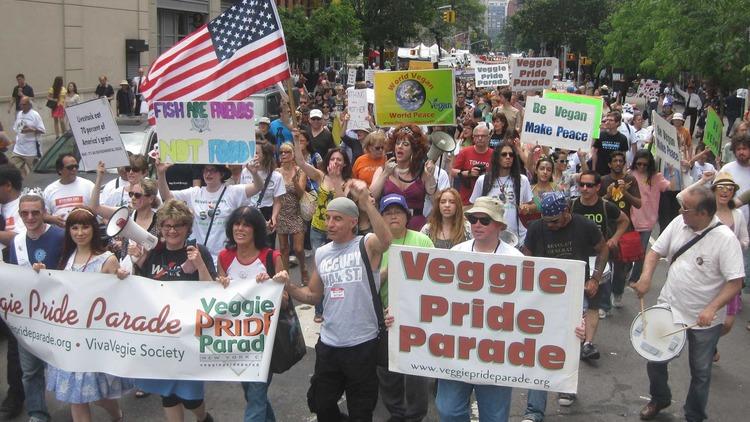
141,328
484,318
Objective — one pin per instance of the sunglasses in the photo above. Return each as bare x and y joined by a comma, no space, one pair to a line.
71,167
136,195
507,154
587,185
485,221
133,169
378,148
724,188
562,161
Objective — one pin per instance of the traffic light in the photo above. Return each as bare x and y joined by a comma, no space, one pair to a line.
449,16
571,57
585,61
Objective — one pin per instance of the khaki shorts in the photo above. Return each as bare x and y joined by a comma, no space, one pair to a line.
24,163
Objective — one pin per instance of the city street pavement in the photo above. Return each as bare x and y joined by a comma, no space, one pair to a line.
611,389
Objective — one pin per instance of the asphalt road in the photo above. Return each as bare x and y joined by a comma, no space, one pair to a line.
611,389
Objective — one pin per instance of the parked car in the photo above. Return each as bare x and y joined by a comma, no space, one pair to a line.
266,103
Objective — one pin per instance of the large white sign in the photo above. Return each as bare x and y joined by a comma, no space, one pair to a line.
485,318
648,88
96,133
667,151
351,77
532,73
141,328
492,75
205,132
370,75
357,107
558,124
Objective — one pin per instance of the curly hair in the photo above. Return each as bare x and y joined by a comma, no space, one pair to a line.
175,210
419,145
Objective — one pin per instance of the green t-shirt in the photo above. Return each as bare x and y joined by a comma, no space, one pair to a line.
412,238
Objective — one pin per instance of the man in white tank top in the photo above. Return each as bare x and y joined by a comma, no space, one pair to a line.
345,356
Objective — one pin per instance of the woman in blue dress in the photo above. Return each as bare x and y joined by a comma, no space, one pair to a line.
84,251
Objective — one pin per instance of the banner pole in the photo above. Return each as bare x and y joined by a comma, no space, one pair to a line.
292,107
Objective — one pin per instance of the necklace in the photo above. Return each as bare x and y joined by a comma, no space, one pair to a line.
83,269
473,242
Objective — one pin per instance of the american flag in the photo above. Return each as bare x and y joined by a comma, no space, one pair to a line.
238,53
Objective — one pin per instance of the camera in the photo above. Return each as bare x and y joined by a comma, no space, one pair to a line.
482,167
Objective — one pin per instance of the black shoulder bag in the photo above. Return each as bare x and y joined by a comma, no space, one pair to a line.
289,343
213,214
263,192
691,242
382,346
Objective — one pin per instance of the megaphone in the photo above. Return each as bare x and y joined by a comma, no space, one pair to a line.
441,142
120,224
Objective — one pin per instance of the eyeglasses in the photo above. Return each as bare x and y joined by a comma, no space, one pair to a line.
71,167
136,195
485,221
586,185
128,169
175,227
34,213
481,136
637,164
685,210
507,154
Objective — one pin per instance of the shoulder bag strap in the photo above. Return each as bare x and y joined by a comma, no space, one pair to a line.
606,220
692,242
376,302
263,192
216,208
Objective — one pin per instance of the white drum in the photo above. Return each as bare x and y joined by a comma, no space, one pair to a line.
649,339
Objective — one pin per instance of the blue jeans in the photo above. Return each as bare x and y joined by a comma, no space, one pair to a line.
33,384
536,404
452,401
318,239
638,266
258,408
701,348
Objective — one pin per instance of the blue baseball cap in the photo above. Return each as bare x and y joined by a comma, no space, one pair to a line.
553,204
393,199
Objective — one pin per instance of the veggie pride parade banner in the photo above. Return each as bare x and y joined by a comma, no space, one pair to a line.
205,132
423,97
141,328
485,318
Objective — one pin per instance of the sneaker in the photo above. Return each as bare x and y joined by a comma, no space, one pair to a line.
617,302
566,399
589,351
527,419
602,314
293,261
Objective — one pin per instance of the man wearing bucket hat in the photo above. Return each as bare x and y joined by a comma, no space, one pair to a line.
125,99
702,278
405,396
452,401
564,235
346,353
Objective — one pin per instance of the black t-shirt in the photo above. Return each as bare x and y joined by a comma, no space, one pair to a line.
27,90
605,145
181,176
165,265
323,142
574,241
622,203
104,91
495,140
596,213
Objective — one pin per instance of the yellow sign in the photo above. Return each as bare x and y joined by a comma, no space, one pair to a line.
424,97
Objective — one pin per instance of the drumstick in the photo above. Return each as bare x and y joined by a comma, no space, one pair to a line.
643,318
687,327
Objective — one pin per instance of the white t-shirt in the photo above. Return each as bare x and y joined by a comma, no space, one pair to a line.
61,199
741,176
443,182
13,220
275,187
697,171
203,204
110,188
629,132
642,135
26,142
502,249
503,189
699,274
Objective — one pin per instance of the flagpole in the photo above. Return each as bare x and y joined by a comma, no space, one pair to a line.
292,107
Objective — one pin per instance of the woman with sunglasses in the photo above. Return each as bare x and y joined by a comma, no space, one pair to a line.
135,171
84,251
175,259
448,226
247,257
373,158
651,184
409,173
291,224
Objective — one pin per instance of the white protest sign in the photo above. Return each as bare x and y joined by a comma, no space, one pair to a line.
370,75
484,318
558,124
143,328
492,75
562,86
357,107
532,73
205,132
648,88
667,150
351,77
96,133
